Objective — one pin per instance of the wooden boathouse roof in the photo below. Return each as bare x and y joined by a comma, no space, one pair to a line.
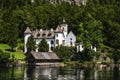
44,55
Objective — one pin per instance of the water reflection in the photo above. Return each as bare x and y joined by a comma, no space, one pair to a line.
11,73
116,73
41,72
59,73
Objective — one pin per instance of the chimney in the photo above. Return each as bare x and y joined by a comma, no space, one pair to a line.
41,30
51,29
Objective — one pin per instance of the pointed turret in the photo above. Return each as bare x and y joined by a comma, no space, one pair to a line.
64,26
64,21
27,34
27,30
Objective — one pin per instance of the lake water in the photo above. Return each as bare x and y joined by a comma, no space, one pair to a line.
59,73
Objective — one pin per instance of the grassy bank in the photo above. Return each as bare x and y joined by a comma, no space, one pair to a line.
18,54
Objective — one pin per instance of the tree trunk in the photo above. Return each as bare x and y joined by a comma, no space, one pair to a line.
12,49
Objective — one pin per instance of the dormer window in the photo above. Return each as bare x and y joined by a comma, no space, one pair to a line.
49,34
38,35
43,34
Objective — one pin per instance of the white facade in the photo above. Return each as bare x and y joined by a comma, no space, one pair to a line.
59,37
25,41
80,48
54,38
70,39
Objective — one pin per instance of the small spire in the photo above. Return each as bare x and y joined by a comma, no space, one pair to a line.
27,30
64,21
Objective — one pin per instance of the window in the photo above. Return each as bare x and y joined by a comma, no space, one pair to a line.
70,38
71,44
63,42
43,34
57,41
56,35
38,35
63,28
52,42
52,48
49,34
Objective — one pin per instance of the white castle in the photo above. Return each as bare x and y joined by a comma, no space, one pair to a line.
59,36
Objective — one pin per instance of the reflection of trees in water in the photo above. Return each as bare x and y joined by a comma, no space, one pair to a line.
41,72
94,73
49,73
116,73
11,73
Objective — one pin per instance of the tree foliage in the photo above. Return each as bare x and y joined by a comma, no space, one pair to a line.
30,44
43,46
90,32
64,52
97,22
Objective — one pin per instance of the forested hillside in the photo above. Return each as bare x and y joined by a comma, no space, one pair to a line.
97,22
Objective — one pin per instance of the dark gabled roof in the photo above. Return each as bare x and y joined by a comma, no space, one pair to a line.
45,33
27,30
45,55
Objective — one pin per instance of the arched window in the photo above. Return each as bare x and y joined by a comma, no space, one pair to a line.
71,43
57,41
52,42
63,42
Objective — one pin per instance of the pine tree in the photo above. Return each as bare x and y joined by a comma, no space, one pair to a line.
43,46
30,44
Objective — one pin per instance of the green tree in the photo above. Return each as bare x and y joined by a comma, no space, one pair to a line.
13,36
30,44
64,52
90,32
112,39
43,46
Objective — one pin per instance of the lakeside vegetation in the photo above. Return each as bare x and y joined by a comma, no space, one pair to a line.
8,56
95,24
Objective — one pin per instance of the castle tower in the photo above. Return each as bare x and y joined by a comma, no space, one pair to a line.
65,27
27,34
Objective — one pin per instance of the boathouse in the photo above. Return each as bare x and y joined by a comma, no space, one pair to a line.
42,58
